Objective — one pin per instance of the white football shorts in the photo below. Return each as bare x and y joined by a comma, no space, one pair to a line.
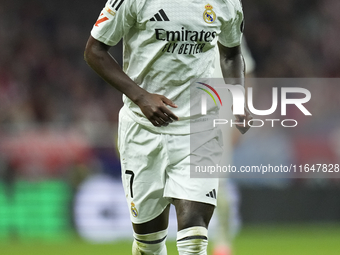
156,167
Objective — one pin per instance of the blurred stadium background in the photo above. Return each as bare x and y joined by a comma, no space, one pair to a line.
60,191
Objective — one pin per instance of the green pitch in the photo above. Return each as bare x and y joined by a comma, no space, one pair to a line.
255,240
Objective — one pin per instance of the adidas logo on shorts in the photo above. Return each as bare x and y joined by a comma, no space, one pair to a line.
212,194
159,15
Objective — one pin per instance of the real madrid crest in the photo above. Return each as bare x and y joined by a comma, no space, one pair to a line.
134,211
209,15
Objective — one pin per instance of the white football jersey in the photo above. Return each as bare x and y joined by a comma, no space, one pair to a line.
167,44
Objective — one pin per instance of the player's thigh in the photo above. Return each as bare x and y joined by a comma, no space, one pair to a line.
191,213
159,223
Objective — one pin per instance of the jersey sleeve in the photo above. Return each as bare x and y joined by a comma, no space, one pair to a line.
115,21
232,30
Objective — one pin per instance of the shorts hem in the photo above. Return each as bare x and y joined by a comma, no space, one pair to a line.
136,220
214,203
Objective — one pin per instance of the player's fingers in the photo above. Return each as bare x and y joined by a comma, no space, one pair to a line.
165,115
163,122
168,119
169,114
247,122
167,101
240,117
156,122
242,124
162,117
249,118
242,129
157,118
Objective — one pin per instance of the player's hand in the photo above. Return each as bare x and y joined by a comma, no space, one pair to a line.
154,108
246,118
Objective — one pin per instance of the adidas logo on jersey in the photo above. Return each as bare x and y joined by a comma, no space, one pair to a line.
159,15
212,194
116,4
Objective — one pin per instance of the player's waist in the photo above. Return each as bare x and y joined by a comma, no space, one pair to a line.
185,124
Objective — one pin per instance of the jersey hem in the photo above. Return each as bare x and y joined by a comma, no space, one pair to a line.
181,127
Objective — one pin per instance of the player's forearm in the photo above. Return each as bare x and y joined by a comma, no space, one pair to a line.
233,70
232,65
100,60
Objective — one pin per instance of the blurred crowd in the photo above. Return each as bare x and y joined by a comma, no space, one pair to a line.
43,77
294,38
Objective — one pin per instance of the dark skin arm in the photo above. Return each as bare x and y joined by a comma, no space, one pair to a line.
233,67
153,106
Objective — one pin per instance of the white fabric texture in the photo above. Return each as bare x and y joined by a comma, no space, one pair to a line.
150,244
167,45
161,164
192,241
